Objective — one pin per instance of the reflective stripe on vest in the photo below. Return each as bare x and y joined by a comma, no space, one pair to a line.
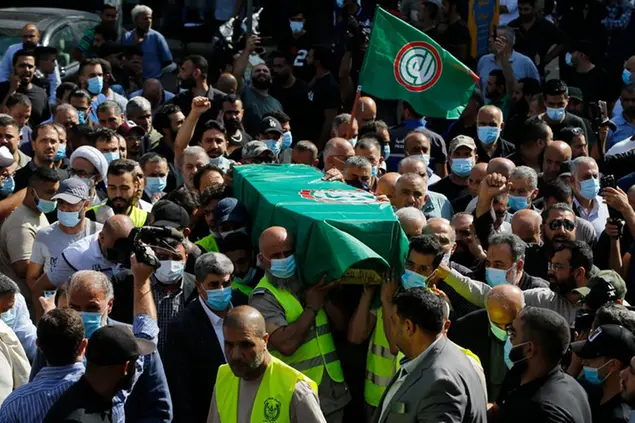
138,216
273,399
208,244
381,364
318,349
245,289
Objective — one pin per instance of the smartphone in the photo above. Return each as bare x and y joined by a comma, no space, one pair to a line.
604,112
49,294
607,181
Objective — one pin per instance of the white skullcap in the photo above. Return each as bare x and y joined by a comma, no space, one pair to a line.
6,158
94,156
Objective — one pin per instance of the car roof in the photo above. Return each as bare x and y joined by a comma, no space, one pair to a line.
42,17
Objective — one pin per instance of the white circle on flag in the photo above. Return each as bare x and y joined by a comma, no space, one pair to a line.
418,66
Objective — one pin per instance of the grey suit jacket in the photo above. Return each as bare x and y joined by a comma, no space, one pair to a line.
443,388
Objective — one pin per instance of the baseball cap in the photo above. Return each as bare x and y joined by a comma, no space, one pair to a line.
270,124
462,141
254,149
167,213
576,93
600,279
129,128
612,341
6,158
72,191
230,210
115,344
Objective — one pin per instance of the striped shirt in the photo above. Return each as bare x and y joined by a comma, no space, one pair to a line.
31,402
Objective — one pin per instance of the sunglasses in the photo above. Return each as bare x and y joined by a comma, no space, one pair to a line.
559,223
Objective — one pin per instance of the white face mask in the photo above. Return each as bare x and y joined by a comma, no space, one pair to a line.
170,272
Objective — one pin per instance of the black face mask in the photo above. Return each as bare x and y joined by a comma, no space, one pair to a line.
187,83
356,183
261,82
516,354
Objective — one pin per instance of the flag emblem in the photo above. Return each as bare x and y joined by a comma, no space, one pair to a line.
338,196
418,66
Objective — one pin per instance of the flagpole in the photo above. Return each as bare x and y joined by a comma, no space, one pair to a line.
349,129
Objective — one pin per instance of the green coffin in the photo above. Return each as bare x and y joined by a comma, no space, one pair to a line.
337,228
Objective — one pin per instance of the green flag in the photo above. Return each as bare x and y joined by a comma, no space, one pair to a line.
403,63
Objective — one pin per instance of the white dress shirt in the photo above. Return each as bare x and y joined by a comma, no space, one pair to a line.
596,217
405,370
217,324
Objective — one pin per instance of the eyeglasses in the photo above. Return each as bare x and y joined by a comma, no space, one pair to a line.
510,330
559,223
557,266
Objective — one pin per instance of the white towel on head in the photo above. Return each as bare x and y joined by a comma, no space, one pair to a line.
94,156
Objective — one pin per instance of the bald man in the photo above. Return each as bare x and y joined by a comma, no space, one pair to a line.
416,164
526,224
251,368
503,304
412,221
366,110
227,83
489,125
386,185
291,323
336,151
498,165
556,153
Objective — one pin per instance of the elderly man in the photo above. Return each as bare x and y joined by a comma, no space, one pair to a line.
556,153
339,128
366,110
194,158
412,221
527,225
386,185
357,173
505,263
294,393
411,190
418,165
489,124
466,244
195,342
90,165
305,152
154,92
139,110
294,327
502,305
586,188
66,115
336,151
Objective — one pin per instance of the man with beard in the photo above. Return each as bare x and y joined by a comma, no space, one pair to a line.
290,91
535,136
123,188
20,81
570,268
193,82
232,117
254,375
626,121
256,97
556,153
294,325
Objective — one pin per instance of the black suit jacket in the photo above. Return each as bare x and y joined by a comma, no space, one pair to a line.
192,357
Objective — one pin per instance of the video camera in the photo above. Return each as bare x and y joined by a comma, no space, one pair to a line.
137,241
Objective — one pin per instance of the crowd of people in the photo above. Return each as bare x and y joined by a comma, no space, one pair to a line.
134,286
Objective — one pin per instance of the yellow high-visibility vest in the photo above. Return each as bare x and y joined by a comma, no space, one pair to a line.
208,244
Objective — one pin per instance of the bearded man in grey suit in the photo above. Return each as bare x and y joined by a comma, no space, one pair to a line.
436,383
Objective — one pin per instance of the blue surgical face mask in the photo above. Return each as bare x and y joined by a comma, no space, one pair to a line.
287,140
8,186
412,279
92,321
386,148
283,268
68,219
44,206
9,317
626,77
488,134
555,114
296,26
155,185
96,84
495,277
462,167
248,278
516,202
110,157
353,142
373,171
61,152
273,145
81,117
567,59
219,299
498,332
592,375
424,157
590,188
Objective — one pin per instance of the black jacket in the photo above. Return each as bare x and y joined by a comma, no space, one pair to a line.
193,355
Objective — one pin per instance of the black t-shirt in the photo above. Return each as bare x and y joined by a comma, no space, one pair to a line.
241,139
615,410
537,40
80,403
295,102
556,397
299,49
594,84
455,35
22,175
569,120
448,188
323,95
39,102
